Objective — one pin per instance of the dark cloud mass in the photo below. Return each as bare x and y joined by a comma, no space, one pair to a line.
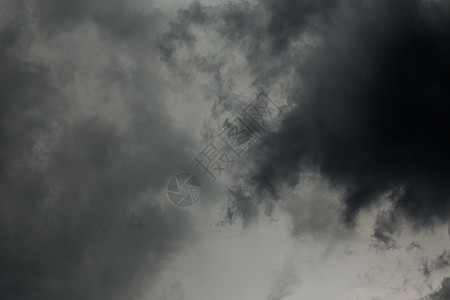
373,113
370,98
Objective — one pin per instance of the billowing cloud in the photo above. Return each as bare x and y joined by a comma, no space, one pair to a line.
368,90
98,106
372,112
86,148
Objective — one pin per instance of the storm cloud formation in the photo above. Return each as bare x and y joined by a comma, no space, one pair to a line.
369,87
373,116
88,141
86,148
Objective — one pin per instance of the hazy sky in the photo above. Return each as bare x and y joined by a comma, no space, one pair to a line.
345,194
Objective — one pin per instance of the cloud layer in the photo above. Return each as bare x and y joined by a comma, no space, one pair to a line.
88,141
86,148
370,97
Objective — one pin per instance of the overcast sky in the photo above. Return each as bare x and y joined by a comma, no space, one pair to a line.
343,194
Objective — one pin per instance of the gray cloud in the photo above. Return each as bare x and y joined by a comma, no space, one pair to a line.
87,143
289,18
443,293
386,224
441,262
370,103
284,284
84,153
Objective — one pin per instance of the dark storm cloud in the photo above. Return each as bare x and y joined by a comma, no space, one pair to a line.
72,185
373,115
370,102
